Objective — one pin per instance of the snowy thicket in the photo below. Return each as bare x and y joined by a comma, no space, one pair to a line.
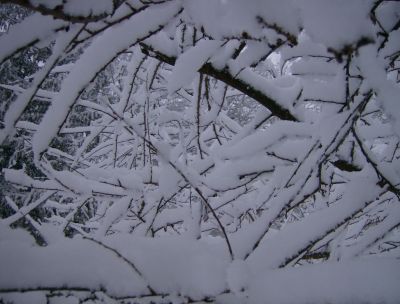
188,151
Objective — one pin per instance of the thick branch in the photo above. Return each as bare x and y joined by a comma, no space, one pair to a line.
224,76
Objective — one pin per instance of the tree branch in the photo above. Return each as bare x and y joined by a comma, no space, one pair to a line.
224,76
59,13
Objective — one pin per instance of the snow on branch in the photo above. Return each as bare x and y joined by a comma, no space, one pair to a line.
181,151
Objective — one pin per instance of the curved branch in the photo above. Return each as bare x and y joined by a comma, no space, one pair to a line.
224,76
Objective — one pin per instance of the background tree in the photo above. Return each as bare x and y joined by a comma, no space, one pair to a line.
201,151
